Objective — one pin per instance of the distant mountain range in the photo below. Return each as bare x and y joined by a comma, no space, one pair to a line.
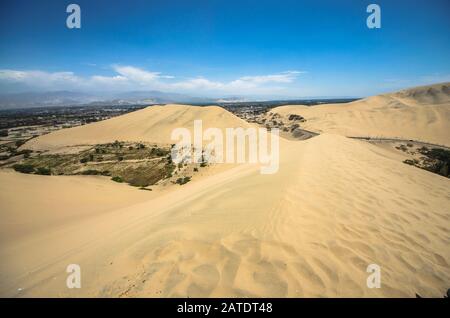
69,98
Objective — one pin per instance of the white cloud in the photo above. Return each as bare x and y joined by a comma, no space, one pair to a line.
133,78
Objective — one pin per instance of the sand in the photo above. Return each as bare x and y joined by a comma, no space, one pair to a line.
335,206
152,124
421,114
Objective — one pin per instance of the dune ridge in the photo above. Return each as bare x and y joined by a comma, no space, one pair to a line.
421,113
152,124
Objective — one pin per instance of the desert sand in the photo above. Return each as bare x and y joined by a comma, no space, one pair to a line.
152,124
421,113
335,206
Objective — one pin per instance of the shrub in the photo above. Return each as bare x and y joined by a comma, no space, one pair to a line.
24,168
158,152
295,117
182,181
117,179
4,133
119,158
195,169
402,148
43,171
409,162
84,160
439,154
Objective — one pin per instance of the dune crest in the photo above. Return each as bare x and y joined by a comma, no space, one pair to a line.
152,124
421,113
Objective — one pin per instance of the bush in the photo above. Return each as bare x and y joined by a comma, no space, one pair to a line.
439,154
295,117
158,152
195,169
4,133
43,171
182,181
84,160
24,168
117,179
119,158
409,162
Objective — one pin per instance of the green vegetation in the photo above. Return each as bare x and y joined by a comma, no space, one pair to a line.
158,152
117,179
43,171
411,162
23,168
435,160
137,164
296,117
182,181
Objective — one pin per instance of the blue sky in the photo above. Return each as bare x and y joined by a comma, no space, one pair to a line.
257,48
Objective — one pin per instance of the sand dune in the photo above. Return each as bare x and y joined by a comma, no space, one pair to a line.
421,113
152,124
335,206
